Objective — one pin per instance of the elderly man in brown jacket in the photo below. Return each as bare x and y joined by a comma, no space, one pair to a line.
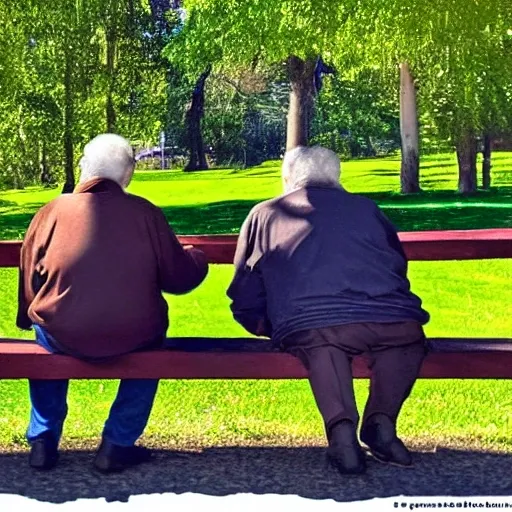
322,272
93,268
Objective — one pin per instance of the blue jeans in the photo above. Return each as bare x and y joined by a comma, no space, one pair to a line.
128,416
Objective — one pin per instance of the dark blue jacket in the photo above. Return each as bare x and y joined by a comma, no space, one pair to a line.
319,257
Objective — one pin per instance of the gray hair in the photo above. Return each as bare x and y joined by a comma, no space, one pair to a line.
108,156
315,166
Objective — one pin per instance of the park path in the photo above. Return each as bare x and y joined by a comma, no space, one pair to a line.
291,471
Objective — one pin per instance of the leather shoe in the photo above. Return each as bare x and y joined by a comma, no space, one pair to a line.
379,434
44,454
345,452
112,458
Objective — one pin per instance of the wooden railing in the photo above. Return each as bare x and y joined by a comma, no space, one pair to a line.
419,245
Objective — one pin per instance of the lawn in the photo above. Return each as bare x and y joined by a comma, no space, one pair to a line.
464,299
217,201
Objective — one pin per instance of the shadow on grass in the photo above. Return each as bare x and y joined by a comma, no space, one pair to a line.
7,204
254,173
14,225
437,165
231,470
408,213
381,173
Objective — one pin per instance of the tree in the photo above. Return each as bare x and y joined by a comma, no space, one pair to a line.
301,74
471,93
357,115
75,69
410,165
459,53
193,117
235,34
167,17
486,161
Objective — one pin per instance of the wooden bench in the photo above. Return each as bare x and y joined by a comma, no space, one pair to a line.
252,358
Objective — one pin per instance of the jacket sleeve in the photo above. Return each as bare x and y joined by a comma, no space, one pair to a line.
180,270
22,319
247,289
25,292
392,237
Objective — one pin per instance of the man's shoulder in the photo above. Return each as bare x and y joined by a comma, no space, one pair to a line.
363,200
66,201
264,209
264,206
353,200
143,204
56,204
47,214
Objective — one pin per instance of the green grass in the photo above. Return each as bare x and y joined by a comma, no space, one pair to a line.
464,298
217,201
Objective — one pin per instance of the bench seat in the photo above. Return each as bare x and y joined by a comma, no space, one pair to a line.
243,358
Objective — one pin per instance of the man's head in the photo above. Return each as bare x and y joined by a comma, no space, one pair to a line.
108,156
316,166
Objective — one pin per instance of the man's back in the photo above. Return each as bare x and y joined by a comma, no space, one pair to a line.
94,261
328,257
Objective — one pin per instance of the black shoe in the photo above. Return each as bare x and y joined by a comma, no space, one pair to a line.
344,452
43,452
112,458
379,434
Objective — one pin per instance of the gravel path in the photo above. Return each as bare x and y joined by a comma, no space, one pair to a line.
297,471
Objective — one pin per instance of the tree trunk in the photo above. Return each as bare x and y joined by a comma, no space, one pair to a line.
111,41
193,117
410,166
134,75
69,165
18,179
486,164
46,179
302,82
466,157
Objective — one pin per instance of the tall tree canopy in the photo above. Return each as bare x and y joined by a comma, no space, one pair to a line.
73,69
237,34
459,54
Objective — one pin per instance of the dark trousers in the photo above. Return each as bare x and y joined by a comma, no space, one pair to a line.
395,352
128,416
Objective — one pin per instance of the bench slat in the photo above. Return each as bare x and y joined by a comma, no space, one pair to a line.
418,245
210,358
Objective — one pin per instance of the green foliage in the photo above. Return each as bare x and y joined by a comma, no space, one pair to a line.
244,128
112,55
357,116
459,52
236,33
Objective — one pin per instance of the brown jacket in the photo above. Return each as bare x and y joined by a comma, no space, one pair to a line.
93,267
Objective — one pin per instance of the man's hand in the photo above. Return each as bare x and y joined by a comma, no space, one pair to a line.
261,328
198,255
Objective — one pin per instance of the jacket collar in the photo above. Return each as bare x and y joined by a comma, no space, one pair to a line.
98,185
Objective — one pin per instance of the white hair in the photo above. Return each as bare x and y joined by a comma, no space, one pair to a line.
315,166
108,156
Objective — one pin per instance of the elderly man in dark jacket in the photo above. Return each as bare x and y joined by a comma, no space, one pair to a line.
93,268
321,271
